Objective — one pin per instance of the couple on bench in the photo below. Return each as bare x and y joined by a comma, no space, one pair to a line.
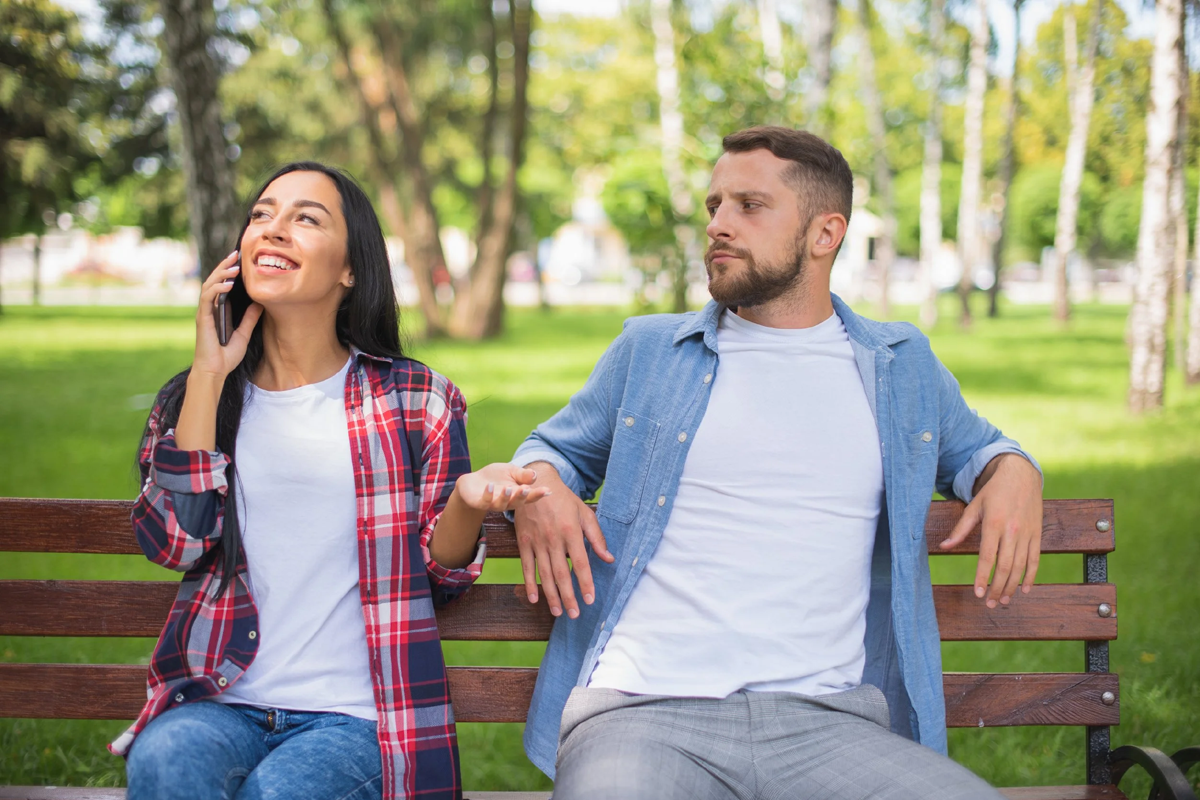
748,613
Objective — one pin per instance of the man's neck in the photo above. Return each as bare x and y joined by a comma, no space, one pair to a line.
804,306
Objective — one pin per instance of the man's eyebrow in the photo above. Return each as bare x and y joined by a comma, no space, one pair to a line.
270,201
749,194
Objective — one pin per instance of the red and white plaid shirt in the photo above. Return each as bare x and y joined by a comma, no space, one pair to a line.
210,640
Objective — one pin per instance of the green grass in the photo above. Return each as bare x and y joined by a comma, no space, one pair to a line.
73,387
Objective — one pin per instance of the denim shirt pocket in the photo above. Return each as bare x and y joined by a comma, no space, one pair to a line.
920,471
634,436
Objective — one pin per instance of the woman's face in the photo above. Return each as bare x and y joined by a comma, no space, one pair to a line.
294,250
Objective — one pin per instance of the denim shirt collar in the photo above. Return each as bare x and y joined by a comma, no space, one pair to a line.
878,336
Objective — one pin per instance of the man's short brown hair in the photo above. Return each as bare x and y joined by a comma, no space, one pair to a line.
818,171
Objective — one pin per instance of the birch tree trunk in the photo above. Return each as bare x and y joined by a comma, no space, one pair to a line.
1081,96
969,239
931,169
188,27
1007,158
772,39
1156,232
885,244
1178,204
820,18
671,124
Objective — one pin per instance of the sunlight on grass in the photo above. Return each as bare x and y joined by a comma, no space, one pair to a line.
74,385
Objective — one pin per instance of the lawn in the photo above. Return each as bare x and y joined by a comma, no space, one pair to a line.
75,386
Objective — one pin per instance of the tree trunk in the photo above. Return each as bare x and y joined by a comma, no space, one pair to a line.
1192,367
772,40
480,314
1006,164
1156,232
969,239
931,169
671,125
188,27
885,244
1178,203
1080,98
417,228
37,270
820,18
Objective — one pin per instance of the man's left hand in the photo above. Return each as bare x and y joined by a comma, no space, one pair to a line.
1008,507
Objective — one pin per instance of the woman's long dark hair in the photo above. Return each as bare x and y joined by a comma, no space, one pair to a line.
367,319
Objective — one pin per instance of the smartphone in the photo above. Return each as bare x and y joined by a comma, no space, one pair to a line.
225,315
224,319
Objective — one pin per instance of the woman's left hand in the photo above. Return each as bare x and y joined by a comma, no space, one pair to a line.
499,487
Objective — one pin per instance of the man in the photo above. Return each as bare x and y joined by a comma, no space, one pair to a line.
758,618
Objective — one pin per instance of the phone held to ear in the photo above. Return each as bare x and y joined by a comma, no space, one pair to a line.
224,318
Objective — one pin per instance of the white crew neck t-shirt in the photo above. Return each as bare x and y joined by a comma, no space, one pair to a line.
762,576
299,519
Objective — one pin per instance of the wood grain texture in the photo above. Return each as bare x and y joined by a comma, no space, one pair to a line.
1033,698
499,612
102,526
491,612
501,694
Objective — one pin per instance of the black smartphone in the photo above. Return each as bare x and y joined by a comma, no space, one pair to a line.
225,315
224,319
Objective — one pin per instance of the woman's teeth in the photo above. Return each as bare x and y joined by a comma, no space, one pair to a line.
276,262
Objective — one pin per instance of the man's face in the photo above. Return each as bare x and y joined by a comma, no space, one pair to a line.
758,245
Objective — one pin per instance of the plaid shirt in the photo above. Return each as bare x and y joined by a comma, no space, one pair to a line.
209,641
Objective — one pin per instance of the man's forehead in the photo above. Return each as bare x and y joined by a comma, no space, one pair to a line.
757,170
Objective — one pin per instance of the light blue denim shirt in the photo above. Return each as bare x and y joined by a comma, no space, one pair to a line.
622,429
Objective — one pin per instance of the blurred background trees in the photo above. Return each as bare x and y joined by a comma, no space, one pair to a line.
503,119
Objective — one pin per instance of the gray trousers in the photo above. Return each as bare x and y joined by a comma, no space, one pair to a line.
748,746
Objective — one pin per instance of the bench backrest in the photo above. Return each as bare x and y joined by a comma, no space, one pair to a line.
1085,611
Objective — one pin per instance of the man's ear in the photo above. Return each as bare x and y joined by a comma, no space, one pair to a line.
826,234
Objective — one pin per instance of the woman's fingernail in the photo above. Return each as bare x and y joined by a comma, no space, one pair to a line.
534,471
231,255
491,487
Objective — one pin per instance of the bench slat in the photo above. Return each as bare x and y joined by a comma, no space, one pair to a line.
102,526
501,694
498,612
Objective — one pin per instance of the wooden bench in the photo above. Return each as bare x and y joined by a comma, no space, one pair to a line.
1085,611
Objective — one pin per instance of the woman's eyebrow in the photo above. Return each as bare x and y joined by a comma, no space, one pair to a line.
270,201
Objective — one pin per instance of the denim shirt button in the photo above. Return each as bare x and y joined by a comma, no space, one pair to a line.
708,378
926,437
662,499
682,438
629,422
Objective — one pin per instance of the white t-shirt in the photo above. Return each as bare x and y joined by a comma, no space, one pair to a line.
299,518
762,576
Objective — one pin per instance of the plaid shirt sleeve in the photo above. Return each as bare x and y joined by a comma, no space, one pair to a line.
445,459
178,514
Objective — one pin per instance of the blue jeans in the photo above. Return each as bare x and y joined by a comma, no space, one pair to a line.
212,751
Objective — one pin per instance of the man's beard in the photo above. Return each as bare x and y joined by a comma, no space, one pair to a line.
754,284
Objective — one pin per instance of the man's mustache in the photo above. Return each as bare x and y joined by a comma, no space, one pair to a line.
720,247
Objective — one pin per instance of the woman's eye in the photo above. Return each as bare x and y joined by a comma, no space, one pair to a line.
307,218
258,214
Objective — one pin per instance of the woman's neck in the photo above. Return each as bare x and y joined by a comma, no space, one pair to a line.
298,351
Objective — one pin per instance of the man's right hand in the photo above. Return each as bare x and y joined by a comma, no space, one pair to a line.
550,531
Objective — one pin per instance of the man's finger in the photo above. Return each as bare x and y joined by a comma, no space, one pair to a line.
562,581
966,524
592,532
987,559
528,571
1006,547
1020,553
582,567
1031,565
546,573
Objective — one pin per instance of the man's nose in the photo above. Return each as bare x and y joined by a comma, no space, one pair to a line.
718,226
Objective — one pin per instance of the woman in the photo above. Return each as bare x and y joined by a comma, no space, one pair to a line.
315,487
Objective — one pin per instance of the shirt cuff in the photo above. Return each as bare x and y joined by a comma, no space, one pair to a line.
964,481
527,455
464,575
187,471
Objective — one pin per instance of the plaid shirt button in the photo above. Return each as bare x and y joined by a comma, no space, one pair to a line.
179,697
221,681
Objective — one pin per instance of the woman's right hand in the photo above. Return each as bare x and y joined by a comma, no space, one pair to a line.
213,359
